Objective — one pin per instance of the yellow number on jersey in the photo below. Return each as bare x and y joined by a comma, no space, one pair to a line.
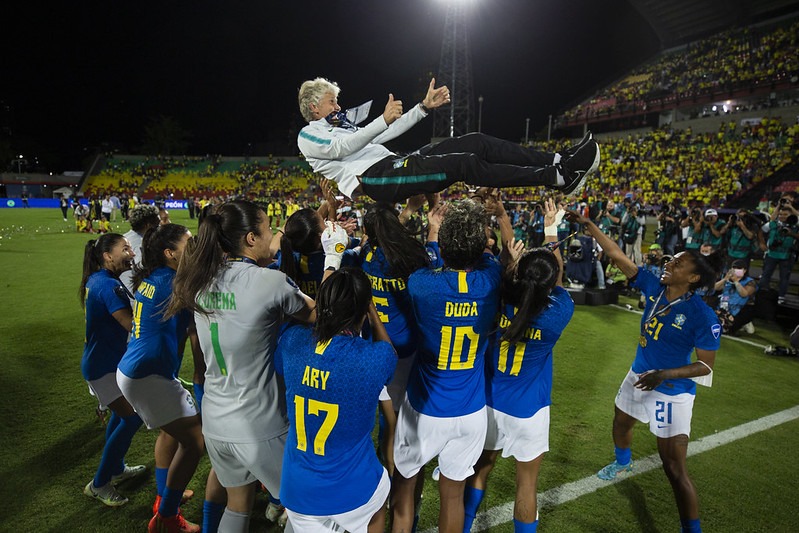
314,407
518,356
450,353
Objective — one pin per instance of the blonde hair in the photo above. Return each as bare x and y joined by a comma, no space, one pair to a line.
311,92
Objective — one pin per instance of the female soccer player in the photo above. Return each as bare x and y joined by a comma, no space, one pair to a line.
660,388
301,256
389,256
108,322
147,375
536,309
237,308
331,473
444,411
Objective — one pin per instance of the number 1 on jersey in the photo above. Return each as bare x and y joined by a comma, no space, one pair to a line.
220,360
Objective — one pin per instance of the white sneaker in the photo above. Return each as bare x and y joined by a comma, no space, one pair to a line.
276,514
128,473
749,328
106,494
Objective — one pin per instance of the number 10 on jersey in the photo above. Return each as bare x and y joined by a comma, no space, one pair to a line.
450,353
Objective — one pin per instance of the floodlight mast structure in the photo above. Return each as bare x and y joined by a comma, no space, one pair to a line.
455,70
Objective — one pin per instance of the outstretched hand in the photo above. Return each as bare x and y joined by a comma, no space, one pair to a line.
574,216
551,213
393,109
435,97
515,249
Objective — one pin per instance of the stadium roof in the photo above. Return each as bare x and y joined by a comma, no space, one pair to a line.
680,21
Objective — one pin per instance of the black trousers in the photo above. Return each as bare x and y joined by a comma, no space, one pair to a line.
477,159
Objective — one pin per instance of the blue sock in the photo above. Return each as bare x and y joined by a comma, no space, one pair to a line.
212,514
471,502
116,446
199,390
690,526
160,480
113,424
624,455
170,501
524,527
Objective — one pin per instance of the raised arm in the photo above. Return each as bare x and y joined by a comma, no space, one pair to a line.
625,264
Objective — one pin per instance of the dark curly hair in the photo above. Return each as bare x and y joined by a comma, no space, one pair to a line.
462,237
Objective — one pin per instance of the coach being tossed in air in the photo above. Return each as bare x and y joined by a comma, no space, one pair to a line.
357,161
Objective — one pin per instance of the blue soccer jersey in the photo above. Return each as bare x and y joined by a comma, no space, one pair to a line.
153,346
391,298
311,269
669,339
455,311
332,389
519,375
106,339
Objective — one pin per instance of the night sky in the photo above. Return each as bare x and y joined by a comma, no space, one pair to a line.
79,74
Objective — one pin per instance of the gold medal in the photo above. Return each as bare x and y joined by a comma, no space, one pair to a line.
642,341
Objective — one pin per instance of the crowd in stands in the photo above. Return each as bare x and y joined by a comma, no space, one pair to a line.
185,177
667,165
735,59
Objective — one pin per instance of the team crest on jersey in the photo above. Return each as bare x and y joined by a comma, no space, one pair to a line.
679,320
716,330
400,162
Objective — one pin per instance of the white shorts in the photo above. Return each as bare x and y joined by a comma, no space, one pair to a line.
384,397
105,389
666,415
355,521
399,383
238,464
521,438
457,441
157,400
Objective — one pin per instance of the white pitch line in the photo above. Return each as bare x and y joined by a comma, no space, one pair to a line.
502,514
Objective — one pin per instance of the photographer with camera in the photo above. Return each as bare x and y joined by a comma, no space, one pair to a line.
782,234
711,230
632,224
607,221
692,225
666,234
535,226
736,303
741,232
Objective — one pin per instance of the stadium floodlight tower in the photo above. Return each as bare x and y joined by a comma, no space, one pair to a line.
455,70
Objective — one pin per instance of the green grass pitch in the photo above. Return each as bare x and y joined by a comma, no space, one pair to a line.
51,441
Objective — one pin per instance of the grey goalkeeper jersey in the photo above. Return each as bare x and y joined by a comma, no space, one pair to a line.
243,400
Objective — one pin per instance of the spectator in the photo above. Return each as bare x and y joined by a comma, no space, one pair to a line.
736,302
782,233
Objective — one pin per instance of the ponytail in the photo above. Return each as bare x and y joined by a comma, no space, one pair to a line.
220,233
528,290
93,259
155,241
302,233
341,303
403,252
